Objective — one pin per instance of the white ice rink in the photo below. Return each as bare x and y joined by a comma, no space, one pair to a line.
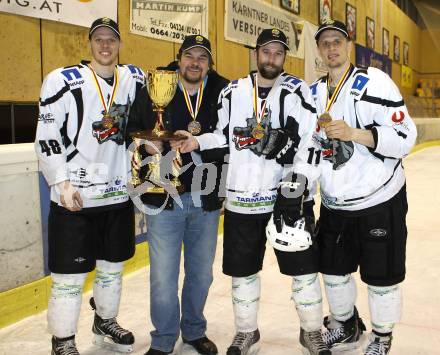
418,333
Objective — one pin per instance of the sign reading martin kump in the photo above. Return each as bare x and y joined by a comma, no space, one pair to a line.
169,20
76,12
244,20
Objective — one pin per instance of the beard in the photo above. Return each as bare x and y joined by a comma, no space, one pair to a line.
192,77
269,72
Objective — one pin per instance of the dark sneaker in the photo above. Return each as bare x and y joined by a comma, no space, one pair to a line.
203,345
156,352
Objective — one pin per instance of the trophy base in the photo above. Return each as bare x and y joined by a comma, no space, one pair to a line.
153,135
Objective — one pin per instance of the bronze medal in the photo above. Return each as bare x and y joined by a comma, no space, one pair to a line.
194,128
324,119
107,121
258,132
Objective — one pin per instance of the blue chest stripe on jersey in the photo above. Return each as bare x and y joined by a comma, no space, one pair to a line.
304,104
56,97
314,88
383,102
71,74
359,82
292,80
133,69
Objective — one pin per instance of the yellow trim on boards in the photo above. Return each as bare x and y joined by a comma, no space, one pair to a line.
30,299
425,145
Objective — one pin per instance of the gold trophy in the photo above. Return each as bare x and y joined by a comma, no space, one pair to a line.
161,85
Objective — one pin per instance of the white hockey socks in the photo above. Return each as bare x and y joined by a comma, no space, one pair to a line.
65,304
306,293
385,307
341,296
107,288
245,302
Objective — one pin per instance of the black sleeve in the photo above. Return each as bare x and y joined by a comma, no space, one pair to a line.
141,114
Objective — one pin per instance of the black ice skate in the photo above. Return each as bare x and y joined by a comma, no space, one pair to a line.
244,343
110,335
64,346
379,345
312,343
343,336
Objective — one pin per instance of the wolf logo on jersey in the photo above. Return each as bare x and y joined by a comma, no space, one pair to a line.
336,151
116,133
242,136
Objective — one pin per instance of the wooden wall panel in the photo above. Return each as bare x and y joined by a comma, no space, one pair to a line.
147,53
64,44
20,70
232,58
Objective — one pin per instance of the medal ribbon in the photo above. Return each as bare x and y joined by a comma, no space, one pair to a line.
199,99
258,114
114,89
338,88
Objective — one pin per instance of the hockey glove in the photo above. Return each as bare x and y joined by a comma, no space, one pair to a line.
279,146
288,206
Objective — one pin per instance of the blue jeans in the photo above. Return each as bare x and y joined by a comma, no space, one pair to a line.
166,231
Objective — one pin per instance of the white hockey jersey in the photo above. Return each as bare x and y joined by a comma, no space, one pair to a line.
252,180
72,143
355,177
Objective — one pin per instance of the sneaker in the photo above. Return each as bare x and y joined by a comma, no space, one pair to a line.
156,352
203,345
244,343
312,343
345,335
64,346
379,344
110,335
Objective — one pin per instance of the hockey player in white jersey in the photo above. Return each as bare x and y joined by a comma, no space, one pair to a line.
268,119
80,146
365,132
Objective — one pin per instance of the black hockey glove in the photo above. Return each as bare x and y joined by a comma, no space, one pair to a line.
278,144
288,206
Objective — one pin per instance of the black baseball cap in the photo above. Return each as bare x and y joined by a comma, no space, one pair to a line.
195,41
104,22
270,35
332,25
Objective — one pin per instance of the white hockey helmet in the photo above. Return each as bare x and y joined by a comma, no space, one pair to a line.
294,238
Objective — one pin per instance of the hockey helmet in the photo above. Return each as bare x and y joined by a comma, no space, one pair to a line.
290,239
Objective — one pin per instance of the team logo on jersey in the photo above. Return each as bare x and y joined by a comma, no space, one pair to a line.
378,232
116,131
244,139
398,117
335,151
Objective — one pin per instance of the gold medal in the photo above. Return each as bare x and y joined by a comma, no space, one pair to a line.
194,128
258,132
107,121
324,120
